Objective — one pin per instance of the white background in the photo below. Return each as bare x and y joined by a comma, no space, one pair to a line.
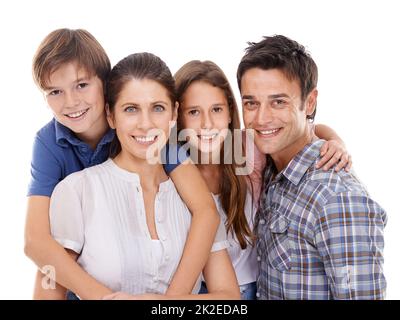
355,45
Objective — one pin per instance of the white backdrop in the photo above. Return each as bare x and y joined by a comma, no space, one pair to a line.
355,45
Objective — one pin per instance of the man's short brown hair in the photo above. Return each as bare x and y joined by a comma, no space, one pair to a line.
282,53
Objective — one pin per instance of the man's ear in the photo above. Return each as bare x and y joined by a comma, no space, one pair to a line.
311,102
110,117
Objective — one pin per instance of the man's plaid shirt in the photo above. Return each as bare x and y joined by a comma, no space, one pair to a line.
320,235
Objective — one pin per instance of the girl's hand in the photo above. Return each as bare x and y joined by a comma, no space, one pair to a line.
334,153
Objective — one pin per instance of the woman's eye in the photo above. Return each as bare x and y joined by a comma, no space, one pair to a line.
130,109
159,108
194,112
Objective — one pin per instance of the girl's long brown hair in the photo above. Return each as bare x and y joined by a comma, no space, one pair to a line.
233,187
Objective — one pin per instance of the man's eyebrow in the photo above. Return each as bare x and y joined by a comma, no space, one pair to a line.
247,97
279,95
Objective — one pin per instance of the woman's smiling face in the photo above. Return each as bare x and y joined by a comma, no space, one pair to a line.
142,116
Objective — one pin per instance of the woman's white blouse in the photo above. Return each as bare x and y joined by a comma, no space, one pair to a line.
99,213
244,260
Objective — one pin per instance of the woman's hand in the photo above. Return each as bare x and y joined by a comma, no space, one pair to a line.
333,153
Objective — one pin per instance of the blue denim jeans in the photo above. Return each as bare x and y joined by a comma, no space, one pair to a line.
72,296
247,291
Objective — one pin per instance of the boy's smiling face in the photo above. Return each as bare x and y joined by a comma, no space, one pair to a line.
76,99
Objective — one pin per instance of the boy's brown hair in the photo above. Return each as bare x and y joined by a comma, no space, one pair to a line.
66,45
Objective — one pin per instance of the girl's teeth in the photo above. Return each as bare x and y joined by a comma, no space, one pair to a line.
145,139
208,137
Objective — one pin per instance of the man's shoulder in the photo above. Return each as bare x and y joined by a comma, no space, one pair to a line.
331,186
335,182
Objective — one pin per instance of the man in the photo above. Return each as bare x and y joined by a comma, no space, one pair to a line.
320,235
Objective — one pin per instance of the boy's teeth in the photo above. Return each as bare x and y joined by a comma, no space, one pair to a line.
76,114
145,139
268,131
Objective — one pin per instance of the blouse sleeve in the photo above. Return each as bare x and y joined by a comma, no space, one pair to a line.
66,216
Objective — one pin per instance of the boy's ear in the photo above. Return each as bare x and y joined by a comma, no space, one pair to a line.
110,118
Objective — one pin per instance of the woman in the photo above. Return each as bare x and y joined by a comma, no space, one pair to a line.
208,109
123,220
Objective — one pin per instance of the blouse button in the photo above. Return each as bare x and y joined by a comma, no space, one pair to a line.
167,257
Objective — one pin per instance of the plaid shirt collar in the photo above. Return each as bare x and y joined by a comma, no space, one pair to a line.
298,166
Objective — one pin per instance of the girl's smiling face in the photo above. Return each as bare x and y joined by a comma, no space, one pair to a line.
205,110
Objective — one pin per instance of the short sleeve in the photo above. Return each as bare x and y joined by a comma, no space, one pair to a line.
45,170
220,241
66,216
173,155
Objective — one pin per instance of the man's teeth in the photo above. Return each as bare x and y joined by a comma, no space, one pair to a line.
269,131
145,138
208,137
76,114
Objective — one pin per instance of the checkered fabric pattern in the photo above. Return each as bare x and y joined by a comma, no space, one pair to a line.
320,235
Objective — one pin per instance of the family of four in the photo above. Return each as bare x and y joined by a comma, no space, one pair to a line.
120,211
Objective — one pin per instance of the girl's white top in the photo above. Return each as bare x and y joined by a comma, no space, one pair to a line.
244,260
99,213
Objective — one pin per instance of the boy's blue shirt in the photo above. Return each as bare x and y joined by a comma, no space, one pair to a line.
57,152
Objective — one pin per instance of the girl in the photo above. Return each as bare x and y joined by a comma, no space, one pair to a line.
123,220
